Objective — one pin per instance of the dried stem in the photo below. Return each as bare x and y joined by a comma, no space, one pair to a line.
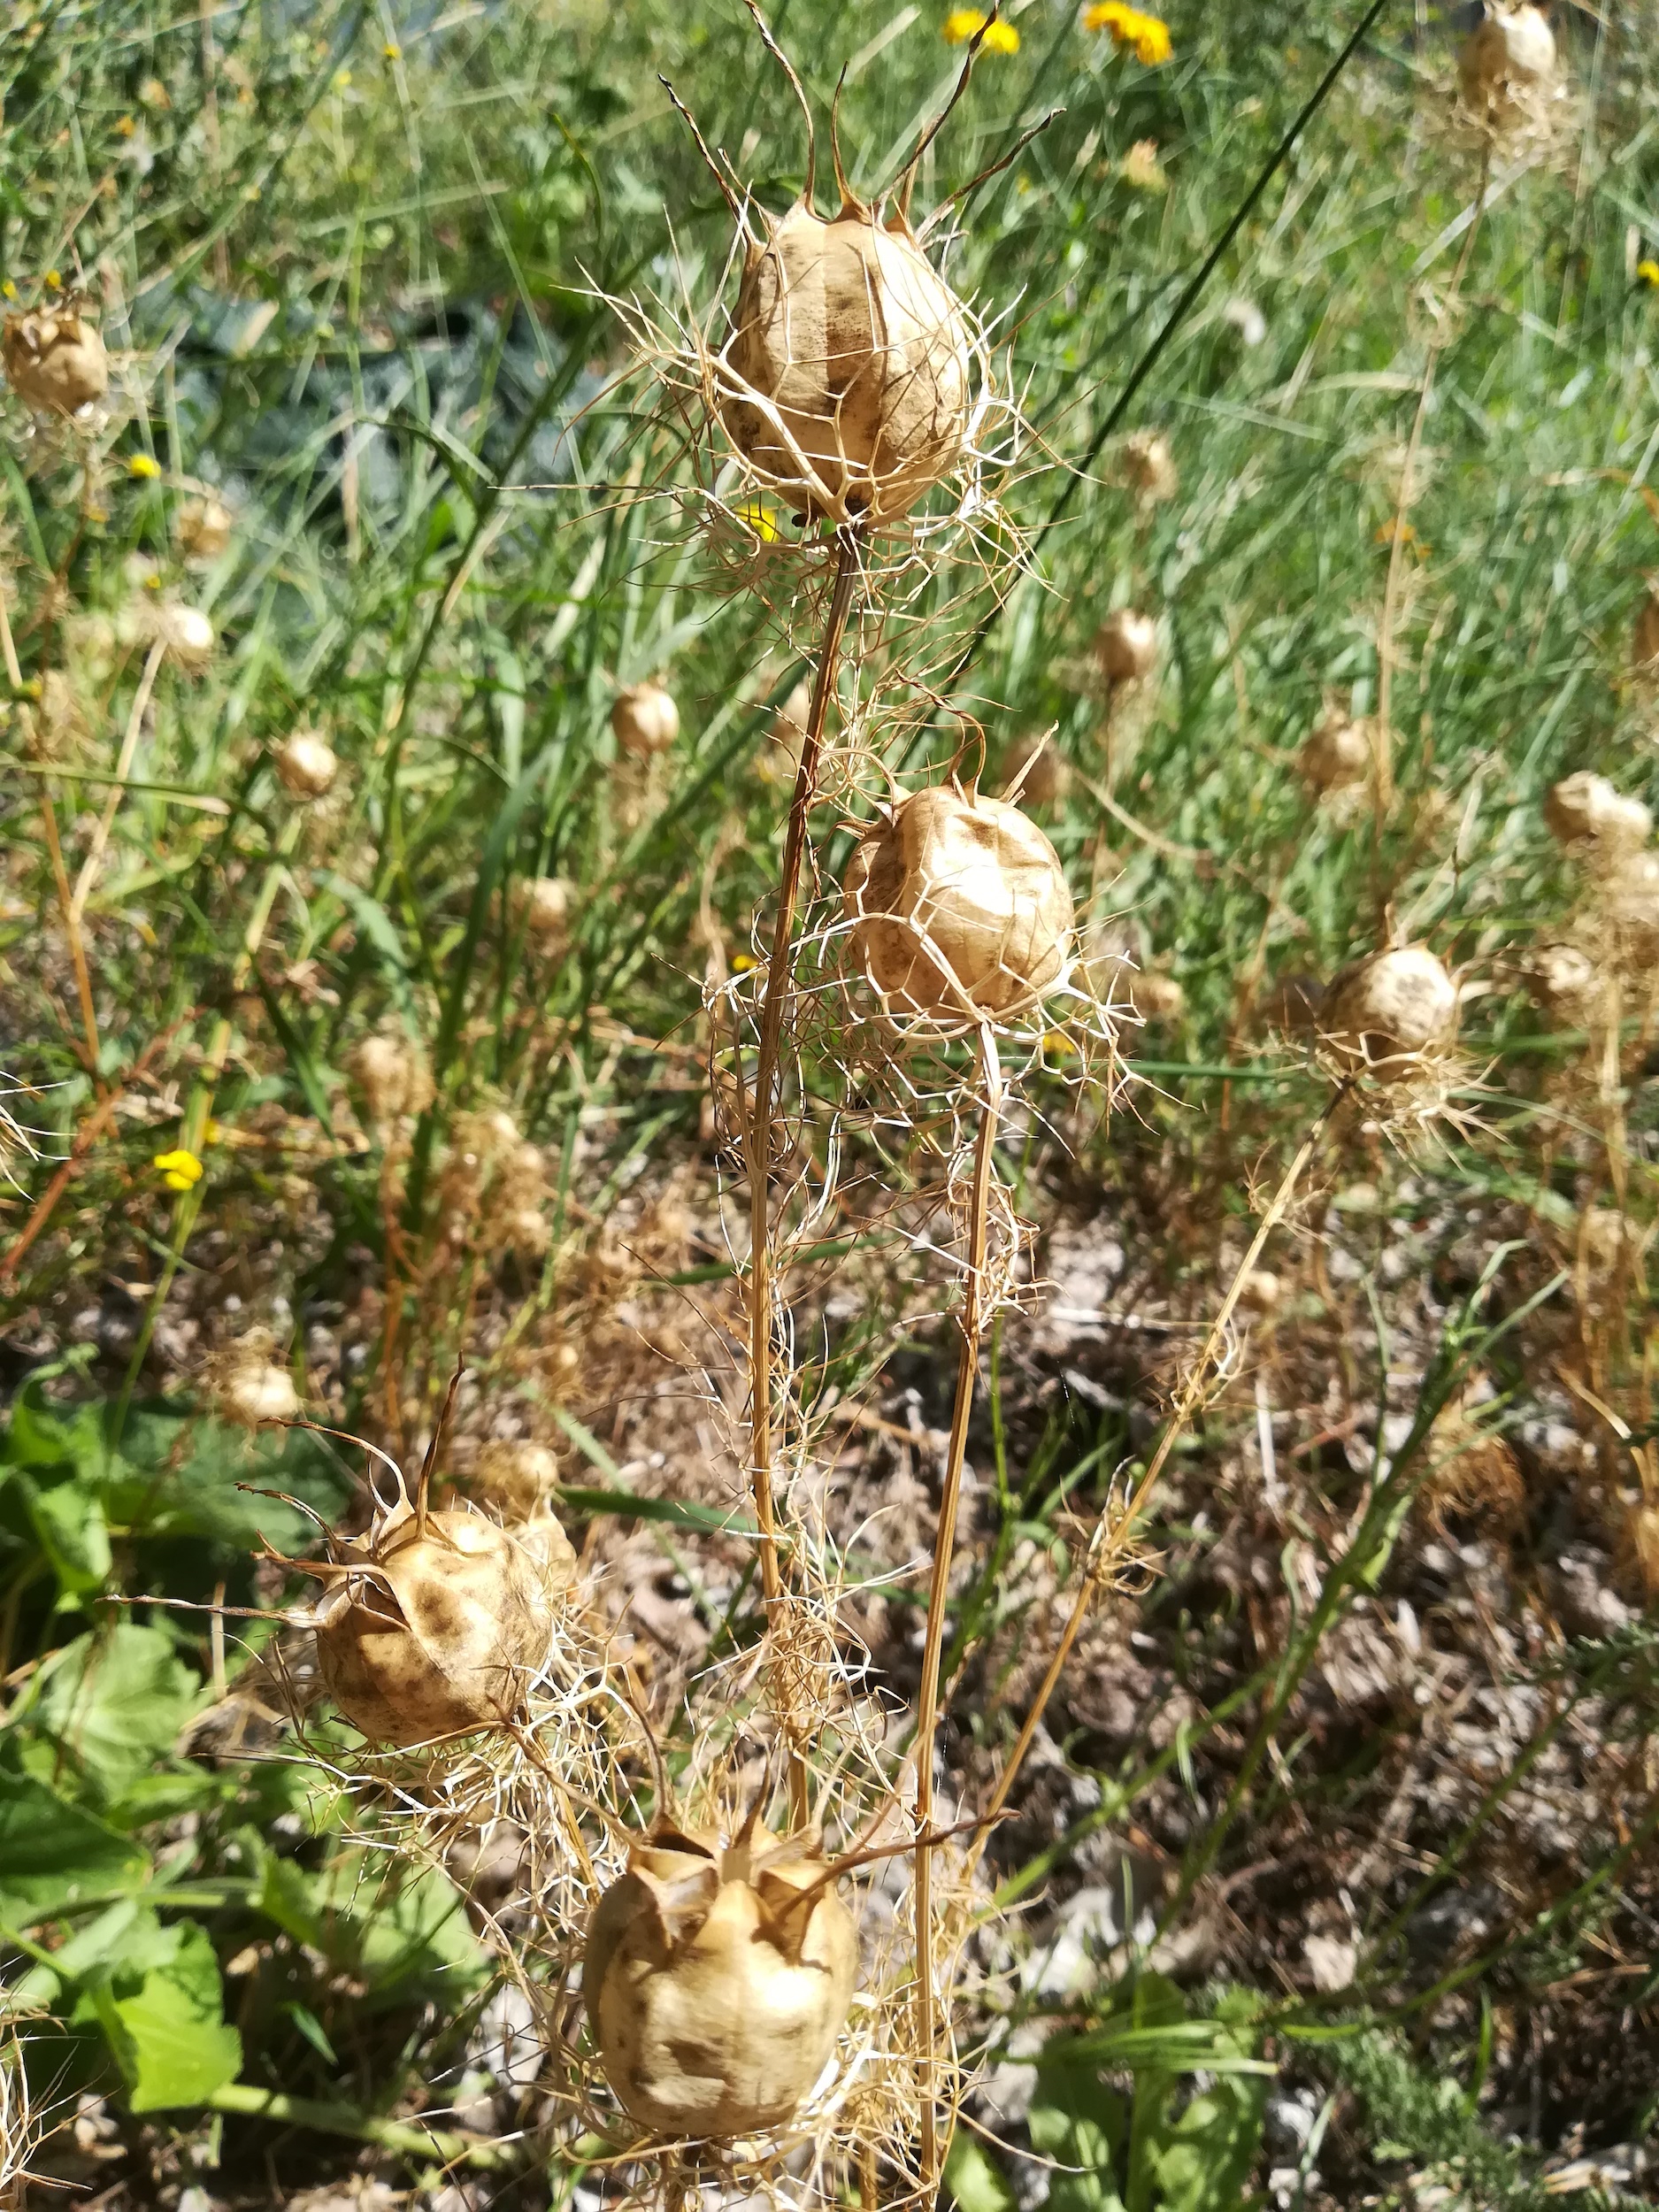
761,1117
60,874
1382,757
970,1325
1180,1413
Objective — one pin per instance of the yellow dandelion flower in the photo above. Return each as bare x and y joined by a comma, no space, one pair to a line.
760,519
142,465
54,281
179,1170
1059,1045
1148,36
961,23
126,127
392,52
8,289
1647,273
742,962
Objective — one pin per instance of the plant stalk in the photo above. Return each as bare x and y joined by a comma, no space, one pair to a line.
970,1326
761,1119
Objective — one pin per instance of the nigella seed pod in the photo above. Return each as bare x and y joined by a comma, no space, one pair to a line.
1389,1013
1335,755
847,381
1510,50
306,765
645,720
717,1980
1585,808
960,908
1126,646
55,360
434,1624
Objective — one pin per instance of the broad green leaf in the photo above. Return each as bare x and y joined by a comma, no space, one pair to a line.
112,1703
52,1854
170,2039
67,1518
1077,2122
1202,2162
976,2182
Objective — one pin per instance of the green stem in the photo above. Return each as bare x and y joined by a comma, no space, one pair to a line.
407,2139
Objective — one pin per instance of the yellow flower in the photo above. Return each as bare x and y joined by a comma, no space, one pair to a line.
126,127
1059,1045
961,23
54,282
1148,34
742,962
140,465
392,52
760,519
179,1170
9,289
1647,271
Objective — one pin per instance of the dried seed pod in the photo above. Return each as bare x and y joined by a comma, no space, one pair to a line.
306,764
717,1980
1149,467
248,1388
1335,755
202,529
1126,646
187,634
55,360
1039,769
515,1477
645,719
1389,1011
1566,983
1261,1291
1586,808
1510,51
847,379
1157,998
959,908
392,1076
545,912
433,1623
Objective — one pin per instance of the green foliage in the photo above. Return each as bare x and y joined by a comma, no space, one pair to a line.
1154,2144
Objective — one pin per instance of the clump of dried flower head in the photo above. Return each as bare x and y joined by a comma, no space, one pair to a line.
306,764
390,1072
543,907
246,1385
55,360
187,633
54,726
1125,647
1335,756
203,528
434,1624
494,1190
959,909
514,1477
1594,819
1149,467
1567,984
645,719
1644,643
1512,93
717,1976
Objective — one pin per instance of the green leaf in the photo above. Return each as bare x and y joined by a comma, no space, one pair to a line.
68,1522
1077,2122
403,1925
52,1854
976,2182
112,1703
170,2039
1202,2162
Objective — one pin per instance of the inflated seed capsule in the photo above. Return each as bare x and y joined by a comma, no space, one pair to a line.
716,1978
847,379
959,908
